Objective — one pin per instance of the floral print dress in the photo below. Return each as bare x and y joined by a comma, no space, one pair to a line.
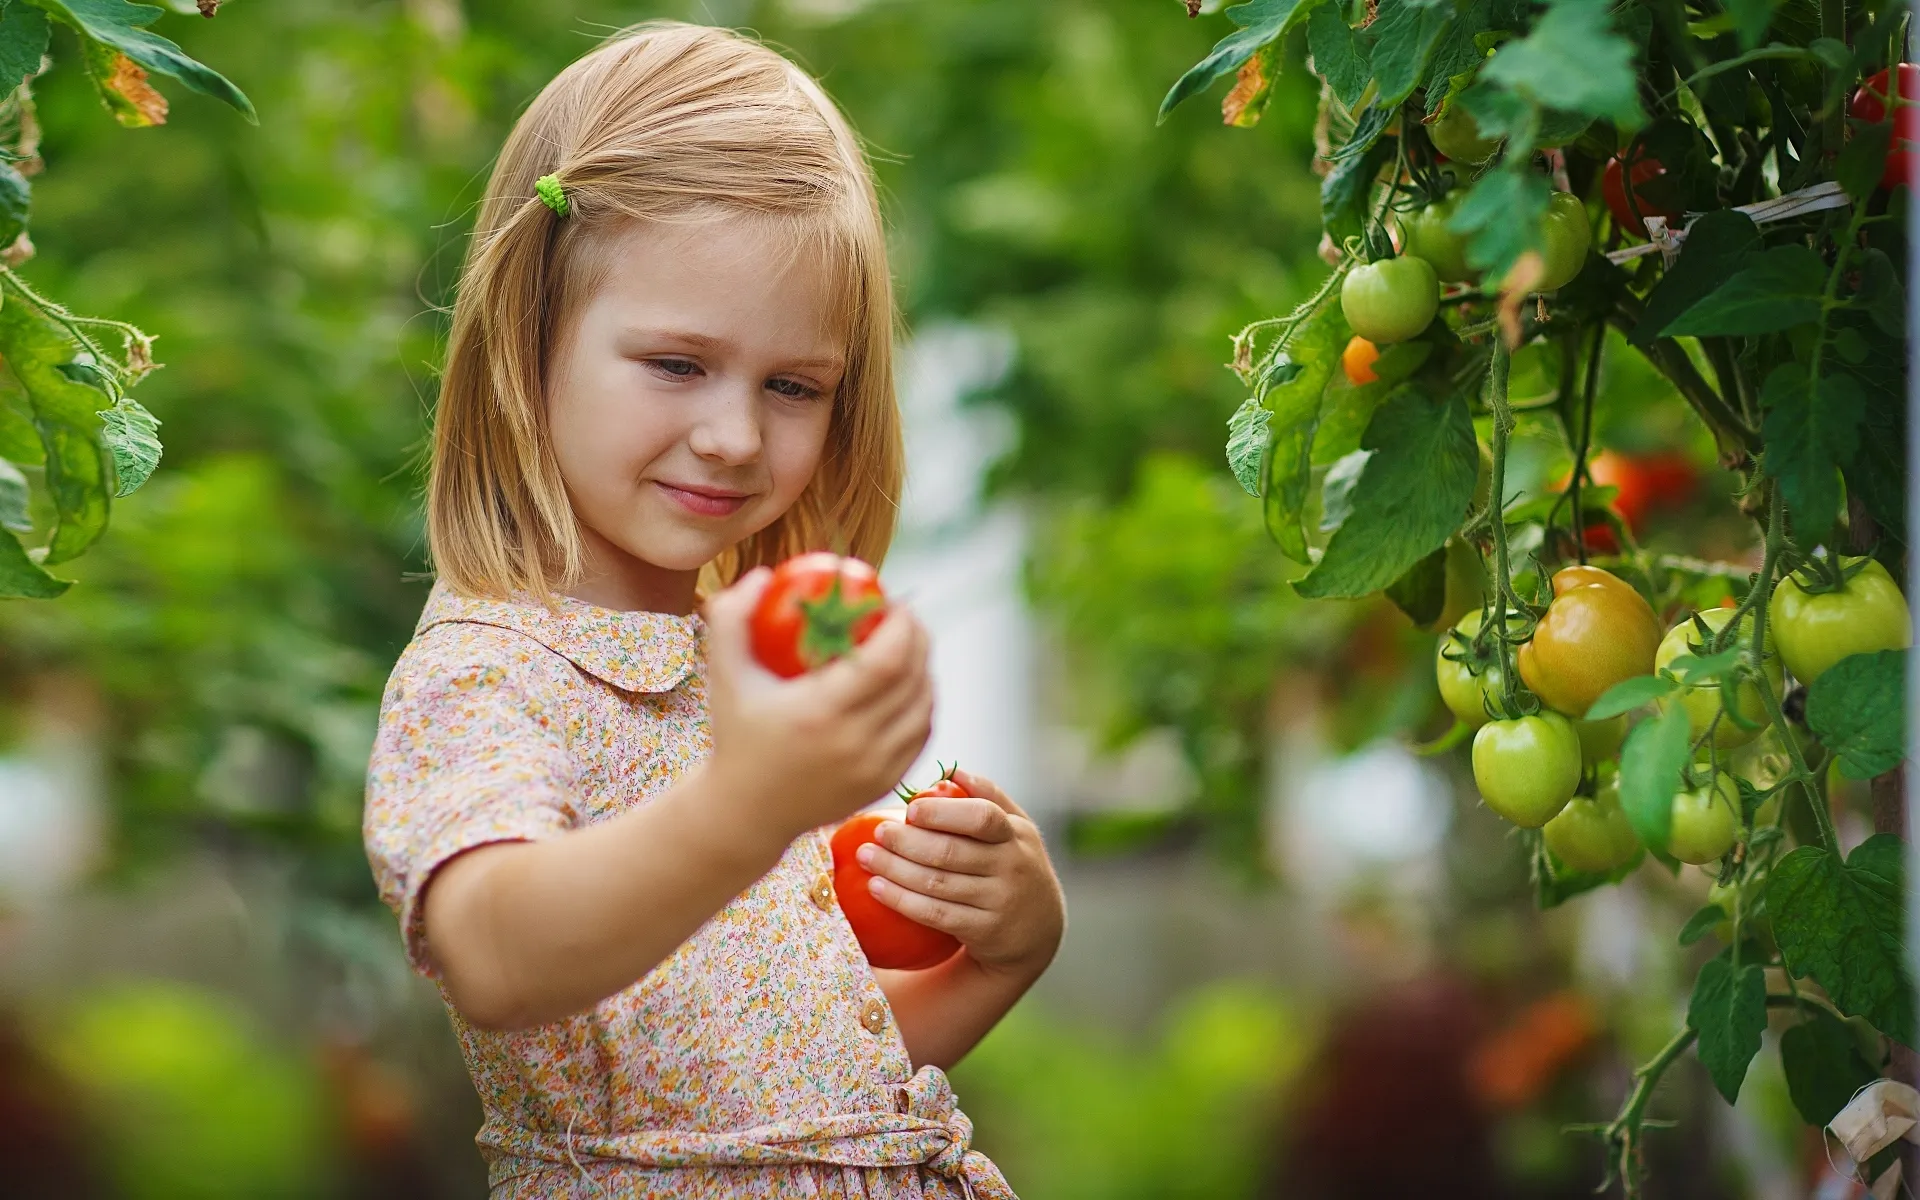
760,1059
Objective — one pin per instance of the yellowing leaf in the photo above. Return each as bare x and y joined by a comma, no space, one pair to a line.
1241,108
123,86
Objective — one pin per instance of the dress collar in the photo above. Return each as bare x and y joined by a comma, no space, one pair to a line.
636,651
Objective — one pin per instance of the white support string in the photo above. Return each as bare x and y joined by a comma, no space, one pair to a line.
1667,241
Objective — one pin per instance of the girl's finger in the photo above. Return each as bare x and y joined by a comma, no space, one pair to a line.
980,785
936,851
961,920
969,816
978,891
893,654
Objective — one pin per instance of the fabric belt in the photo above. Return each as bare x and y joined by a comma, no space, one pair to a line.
929,1130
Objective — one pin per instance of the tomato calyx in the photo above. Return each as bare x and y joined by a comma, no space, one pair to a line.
943,786
827,631
1821,574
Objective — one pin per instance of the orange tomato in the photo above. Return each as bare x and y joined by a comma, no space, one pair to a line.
890,939
1357,361
1597,632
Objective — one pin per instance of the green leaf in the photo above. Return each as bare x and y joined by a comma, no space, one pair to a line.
1630,694
1336,490
1863,158
1410,499
1501,218
1295,404
1573,60
1750,21
1260,21
1344,192
1807,438
35,347
131,435
1716,246
1655,753
1458,55
20,577
1247,444
1857,710
24,34
1881,295
1728,1010
1823,1065
1338,56
14,498
1350,406
1701,923
120,25
1842,925
15,196
1405,34
1422,592
1776,289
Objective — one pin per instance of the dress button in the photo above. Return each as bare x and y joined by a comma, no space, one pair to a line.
874,1016
821,893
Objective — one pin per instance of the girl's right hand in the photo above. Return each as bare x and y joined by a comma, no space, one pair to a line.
808,751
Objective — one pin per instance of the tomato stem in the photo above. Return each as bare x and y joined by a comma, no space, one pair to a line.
1504,598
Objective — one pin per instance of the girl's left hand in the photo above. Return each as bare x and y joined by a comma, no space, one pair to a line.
972,866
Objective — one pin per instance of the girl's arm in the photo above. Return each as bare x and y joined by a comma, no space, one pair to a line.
975,867
523,933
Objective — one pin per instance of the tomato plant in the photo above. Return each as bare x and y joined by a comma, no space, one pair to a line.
816,607
67,422
1390,300
1527,768
1772,318
889,939
1820,618
1870,105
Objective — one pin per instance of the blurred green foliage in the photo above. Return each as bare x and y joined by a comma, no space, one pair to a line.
1073,1113
240,618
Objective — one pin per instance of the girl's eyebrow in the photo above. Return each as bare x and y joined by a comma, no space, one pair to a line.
701,341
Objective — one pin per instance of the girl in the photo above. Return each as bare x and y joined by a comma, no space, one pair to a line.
597,817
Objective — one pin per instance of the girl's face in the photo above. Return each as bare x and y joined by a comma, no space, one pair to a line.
690,401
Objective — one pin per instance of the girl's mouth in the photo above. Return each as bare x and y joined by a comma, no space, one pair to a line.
704,502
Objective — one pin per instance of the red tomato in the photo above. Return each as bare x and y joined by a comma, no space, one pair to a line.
1357,361
1600,540
1614,188
1870,104
890,940
817,607
1646,482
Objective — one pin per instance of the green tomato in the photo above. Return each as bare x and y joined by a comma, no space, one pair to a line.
1390,300
1592,834
1866,614
1600,740
1426,235
1470,687
1457,135
1527,769
1706,821
1703,702
1567,236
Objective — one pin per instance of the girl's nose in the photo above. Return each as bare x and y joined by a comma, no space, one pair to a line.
728,430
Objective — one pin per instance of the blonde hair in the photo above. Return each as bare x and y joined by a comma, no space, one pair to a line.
662,123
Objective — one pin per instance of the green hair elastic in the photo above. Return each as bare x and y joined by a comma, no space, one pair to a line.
547,187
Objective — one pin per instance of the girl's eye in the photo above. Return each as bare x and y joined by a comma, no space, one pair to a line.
678,368
793,389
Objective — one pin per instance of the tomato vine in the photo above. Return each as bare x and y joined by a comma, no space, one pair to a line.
71,439
1722,134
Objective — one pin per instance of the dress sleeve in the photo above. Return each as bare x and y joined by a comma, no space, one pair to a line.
468,752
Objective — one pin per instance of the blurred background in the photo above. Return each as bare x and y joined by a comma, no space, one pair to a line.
1302,962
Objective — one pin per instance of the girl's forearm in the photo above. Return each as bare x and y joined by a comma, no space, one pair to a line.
944,1011
524,933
